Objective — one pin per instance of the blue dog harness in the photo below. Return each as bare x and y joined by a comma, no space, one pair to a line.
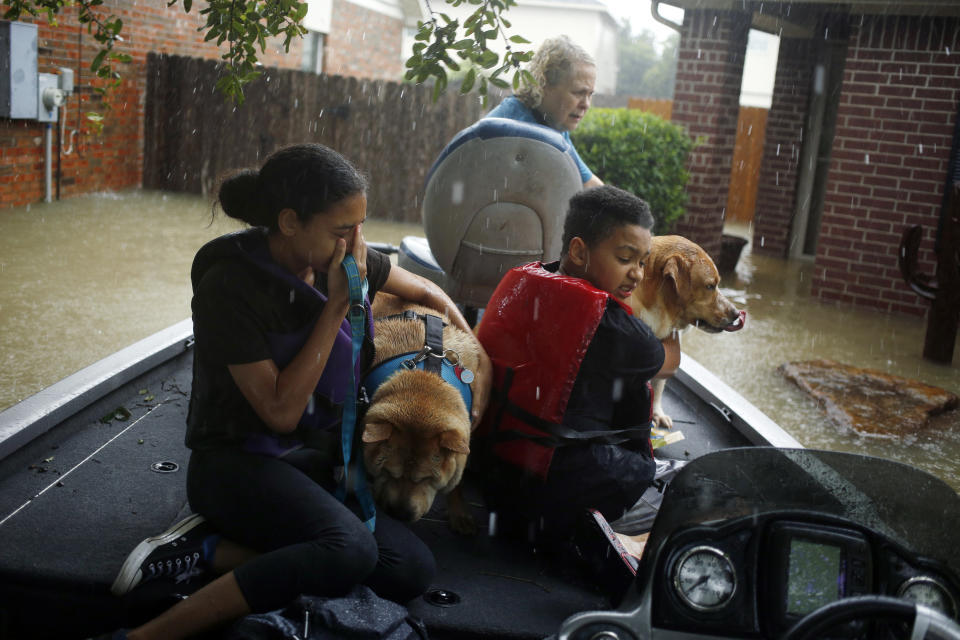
432,357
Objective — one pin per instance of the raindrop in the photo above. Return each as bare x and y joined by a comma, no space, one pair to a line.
947,50
616,392
699,53
763,240
310,405
456,192
778,148
920,147
538,393
866,158
292,295
536,309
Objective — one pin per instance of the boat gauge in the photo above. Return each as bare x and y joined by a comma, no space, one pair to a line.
704,578
929,592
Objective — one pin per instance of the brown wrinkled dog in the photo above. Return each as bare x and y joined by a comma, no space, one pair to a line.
416,432
680,289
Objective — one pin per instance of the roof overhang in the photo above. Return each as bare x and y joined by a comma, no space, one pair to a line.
802,18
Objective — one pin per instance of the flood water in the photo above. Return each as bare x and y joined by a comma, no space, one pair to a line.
84,277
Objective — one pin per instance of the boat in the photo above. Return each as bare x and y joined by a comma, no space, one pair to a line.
756,536
96,462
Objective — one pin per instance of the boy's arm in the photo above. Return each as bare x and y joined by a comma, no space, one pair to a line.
671,357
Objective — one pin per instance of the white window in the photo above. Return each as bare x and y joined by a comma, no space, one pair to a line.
312,57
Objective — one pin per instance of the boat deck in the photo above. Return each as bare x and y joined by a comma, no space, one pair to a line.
77,499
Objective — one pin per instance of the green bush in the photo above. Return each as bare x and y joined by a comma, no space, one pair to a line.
641,153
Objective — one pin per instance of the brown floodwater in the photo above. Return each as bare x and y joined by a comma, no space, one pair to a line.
84,277
785,324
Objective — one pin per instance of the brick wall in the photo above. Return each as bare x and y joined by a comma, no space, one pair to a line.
901,89
363,43
777,184
706,102
113,159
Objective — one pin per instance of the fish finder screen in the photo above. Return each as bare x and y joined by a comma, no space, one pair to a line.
814,576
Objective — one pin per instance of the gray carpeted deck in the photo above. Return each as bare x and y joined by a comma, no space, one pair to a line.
76,501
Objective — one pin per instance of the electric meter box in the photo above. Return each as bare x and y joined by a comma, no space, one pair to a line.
19,83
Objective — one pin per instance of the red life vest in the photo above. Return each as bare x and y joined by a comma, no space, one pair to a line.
536,329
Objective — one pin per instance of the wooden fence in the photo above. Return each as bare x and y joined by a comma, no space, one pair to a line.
745,166
657,106
747,155
391,131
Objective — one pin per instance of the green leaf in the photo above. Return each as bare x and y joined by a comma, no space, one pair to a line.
469,80
98,60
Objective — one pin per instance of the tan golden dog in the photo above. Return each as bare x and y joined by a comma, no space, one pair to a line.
416,432
680,289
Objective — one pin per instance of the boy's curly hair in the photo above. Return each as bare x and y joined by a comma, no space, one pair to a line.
595,213
553,63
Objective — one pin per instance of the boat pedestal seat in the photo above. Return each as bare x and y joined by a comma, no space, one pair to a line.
495,198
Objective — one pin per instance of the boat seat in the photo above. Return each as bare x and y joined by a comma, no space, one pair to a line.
495,198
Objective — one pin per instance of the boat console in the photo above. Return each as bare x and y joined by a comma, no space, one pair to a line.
495,198
794,544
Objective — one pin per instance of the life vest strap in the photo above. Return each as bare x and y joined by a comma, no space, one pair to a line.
554,434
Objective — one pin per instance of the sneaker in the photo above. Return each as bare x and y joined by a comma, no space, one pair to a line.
176,553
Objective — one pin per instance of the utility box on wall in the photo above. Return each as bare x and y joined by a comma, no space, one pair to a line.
18,70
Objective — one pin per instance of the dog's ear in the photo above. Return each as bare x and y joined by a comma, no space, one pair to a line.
454,441
672,269
377,432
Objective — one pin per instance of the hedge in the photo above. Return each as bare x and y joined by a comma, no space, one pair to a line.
641,153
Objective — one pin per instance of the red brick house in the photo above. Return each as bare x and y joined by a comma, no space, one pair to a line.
859,136
356,37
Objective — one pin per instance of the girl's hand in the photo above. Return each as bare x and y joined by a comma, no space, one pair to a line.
338,287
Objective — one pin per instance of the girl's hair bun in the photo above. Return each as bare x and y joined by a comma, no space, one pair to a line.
238,197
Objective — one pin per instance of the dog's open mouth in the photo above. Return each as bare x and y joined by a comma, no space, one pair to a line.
737,324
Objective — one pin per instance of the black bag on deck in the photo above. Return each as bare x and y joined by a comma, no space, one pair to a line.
361,614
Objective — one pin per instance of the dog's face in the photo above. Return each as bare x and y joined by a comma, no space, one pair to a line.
683,279
416,439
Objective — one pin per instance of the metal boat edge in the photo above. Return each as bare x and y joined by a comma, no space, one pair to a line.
37,414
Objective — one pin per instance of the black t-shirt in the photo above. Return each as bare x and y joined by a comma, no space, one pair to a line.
611,387
235,305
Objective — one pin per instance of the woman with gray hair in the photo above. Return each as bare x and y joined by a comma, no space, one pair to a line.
565,75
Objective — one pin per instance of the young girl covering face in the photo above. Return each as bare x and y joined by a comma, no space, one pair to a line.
272,363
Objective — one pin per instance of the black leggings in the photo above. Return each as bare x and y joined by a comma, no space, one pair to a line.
309,542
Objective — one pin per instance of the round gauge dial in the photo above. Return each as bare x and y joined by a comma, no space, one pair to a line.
929,592
704,578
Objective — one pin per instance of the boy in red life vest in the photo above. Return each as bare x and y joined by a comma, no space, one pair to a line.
569,419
